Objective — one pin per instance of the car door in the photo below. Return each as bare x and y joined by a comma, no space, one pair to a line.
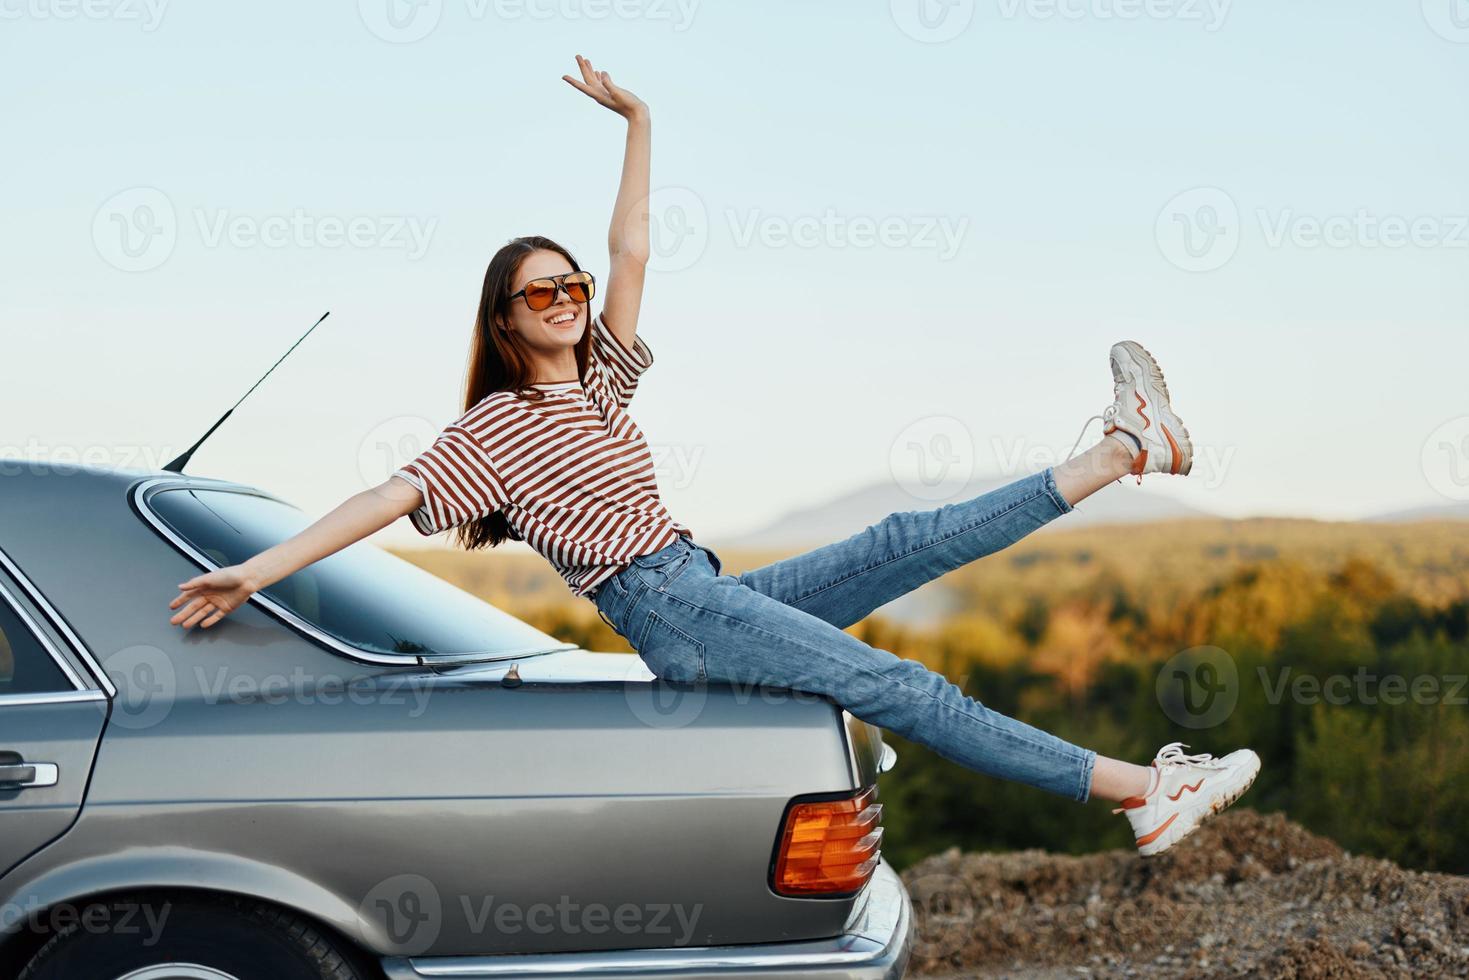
51,717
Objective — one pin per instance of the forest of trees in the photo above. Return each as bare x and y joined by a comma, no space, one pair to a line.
1338,652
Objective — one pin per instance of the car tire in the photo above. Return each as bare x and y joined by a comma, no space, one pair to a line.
235,937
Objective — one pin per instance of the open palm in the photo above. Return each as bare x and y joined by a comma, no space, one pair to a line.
208,598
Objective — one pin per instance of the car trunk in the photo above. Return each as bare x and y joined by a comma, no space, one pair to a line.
569,803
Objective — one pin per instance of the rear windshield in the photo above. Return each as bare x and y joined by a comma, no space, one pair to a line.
362,597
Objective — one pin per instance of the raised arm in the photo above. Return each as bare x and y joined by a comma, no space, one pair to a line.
627,238
210,596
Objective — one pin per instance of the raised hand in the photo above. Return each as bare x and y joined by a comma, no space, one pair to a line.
599,85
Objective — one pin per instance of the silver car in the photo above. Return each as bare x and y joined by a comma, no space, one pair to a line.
369,773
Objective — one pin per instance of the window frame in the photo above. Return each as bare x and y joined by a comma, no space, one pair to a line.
82,687
143,492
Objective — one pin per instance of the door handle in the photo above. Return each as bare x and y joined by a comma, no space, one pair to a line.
23,775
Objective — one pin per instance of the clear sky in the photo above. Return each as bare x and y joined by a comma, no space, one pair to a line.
883,232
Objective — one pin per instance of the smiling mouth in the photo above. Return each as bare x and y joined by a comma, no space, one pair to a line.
561,319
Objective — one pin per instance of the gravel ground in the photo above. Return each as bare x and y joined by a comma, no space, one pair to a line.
1245,895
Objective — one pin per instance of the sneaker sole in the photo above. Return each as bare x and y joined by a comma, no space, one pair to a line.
1201,814
1172,426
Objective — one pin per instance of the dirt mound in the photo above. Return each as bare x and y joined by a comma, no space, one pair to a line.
1245,895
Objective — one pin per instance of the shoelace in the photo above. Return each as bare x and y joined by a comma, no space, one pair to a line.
1172,755
1107,415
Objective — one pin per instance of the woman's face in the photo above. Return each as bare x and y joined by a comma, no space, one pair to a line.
558,326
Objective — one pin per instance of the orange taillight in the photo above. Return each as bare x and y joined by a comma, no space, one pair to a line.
829,847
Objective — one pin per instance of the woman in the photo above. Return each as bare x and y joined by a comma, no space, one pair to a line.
546,452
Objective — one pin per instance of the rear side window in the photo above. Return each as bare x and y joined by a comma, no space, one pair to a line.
361,597
26,666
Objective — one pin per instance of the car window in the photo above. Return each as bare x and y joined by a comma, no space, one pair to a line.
26,666
362,596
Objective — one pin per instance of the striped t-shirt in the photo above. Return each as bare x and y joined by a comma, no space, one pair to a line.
572,472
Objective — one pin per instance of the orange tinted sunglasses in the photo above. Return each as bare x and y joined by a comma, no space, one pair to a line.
541,293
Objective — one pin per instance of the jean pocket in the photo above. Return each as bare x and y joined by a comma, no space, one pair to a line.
670,653
661,557
662,574
714,561
615,584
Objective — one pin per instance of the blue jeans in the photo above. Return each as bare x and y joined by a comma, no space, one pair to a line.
782,626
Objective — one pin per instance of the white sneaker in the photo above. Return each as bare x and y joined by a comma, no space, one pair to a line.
1141,417
1185,791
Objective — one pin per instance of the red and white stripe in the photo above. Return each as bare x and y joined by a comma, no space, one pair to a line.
572,472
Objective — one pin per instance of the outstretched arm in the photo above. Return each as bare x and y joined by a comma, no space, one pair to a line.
209,597
627,239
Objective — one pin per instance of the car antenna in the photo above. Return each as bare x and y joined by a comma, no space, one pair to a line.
177,466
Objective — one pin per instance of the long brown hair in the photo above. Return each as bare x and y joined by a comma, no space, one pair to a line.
498,360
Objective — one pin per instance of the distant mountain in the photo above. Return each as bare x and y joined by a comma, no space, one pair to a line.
849,513
1433,512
